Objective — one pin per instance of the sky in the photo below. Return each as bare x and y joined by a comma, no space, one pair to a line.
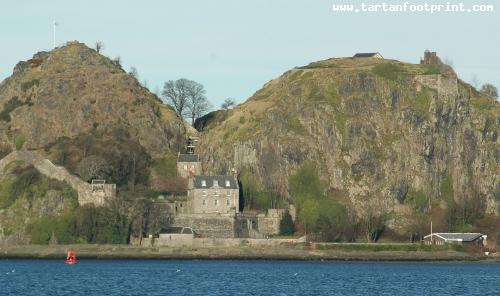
234,47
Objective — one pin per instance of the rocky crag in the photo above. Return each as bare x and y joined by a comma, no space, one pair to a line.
65,107
390,139
72,91
386,136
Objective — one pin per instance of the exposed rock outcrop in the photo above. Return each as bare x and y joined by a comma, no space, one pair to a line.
376,129
72,91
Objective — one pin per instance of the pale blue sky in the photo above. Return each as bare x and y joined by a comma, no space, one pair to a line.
233,47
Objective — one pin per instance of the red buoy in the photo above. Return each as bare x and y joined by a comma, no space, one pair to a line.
71,258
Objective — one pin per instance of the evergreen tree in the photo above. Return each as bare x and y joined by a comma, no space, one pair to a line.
286,224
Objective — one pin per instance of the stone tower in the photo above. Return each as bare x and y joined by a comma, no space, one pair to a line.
430,58
188,163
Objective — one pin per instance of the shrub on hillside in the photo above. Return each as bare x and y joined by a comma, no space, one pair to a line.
166,166
286,224
19,141
317,213
127,160
388,71
172,185
52,228
101,225
25,182
11,104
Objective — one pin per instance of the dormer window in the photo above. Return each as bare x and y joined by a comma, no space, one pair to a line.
203,183
216,183
228,184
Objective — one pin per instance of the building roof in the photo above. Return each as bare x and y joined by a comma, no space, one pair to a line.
188,158
177,230
366,55
459,237
201,182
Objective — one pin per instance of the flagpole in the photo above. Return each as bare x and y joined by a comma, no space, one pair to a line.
431,234
54,34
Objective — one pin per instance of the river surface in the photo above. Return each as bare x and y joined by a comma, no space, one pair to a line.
172,277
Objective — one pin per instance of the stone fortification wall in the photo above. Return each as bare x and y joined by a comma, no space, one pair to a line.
215,242
447,86
217,226
269,224
259,225
86,193
191,242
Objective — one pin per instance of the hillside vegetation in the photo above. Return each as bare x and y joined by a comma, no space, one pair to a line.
356,149
82,111
395,145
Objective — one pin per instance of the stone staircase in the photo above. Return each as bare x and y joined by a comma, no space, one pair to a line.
86,193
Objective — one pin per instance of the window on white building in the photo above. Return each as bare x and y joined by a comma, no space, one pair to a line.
228,193
203,183
216,183
204,202
216,202
204,193
185,167
228,184
227,202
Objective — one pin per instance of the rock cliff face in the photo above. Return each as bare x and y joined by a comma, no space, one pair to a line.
73,90
379,131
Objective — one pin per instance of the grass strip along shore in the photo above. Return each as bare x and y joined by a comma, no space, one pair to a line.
320,251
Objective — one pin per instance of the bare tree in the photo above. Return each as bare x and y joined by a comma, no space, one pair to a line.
198,104
175,93
490,90
228,104
93,167
99,46
117,61
375,216
133,72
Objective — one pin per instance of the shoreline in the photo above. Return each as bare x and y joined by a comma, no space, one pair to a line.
299,252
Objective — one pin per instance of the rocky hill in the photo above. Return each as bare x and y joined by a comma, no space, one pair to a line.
359,147
389,138
73,91
81,116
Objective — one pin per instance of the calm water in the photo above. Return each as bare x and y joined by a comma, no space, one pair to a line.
146,278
